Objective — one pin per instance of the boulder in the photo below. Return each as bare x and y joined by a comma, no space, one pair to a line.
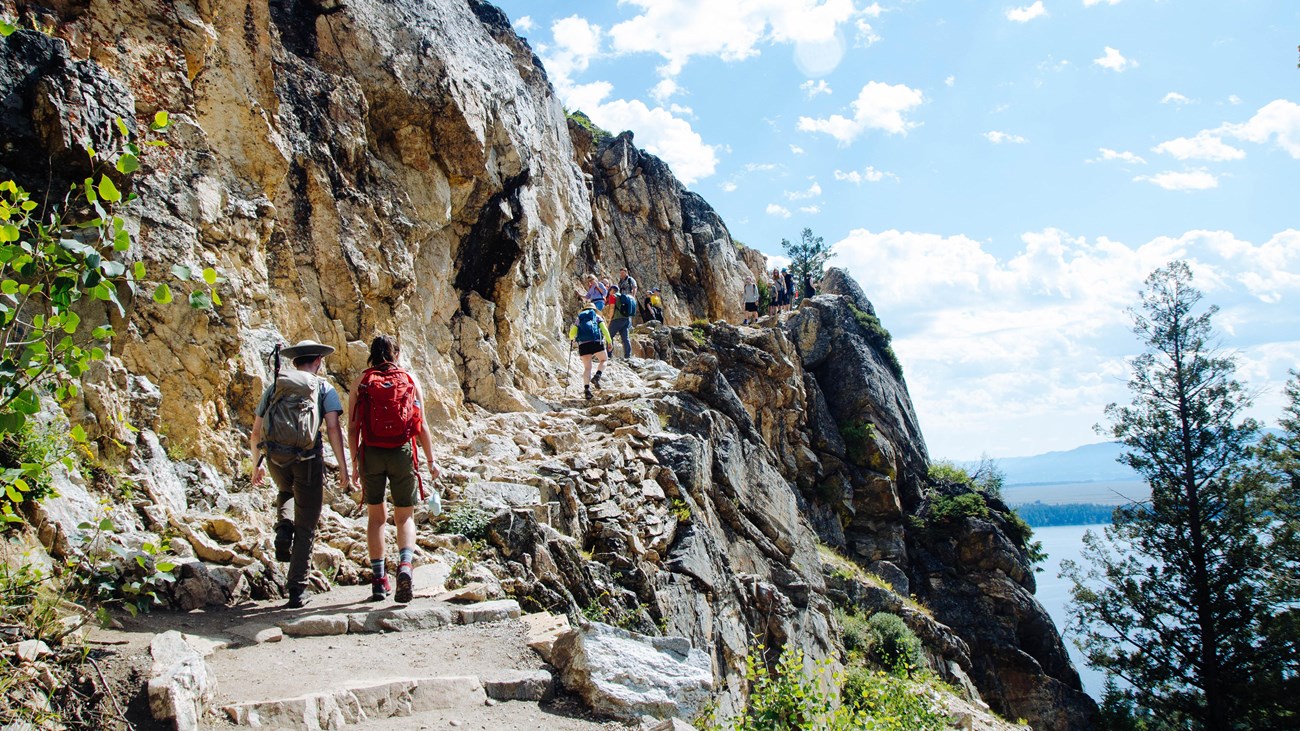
628,675
180,682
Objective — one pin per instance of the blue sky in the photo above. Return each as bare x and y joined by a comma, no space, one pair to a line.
999,177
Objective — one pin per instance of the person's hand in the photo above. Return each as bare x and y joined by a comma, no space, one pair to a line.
356,474
345,483
433,470
259,473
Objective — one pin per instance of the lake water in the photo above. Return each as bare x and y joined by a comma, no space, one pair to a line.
1062,543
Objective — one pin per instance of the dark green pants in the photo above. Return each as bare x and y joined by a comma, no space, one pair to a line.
301,492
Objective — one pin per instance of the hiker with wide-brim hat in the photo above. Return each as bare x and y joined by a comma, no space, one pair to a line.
592,336
286,442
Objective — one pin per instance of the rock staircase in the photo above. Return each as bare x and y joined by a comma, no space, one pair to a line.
345,662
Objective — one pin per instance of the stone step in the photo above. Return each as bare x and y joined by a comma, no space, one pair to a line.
402,619
333,709
395,697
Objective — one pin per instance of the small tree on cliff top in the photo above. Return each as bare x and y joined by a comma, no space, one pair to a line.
1180,611
807,257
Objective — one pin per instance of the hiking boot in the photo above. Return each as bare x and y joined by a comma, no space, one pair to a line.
405,584
379,589
284,542
586,390
298,598
595,379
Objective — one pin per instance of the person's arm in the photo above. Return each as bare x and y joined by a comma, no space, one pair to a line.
354,430
254,440
605,331
573,332
334,431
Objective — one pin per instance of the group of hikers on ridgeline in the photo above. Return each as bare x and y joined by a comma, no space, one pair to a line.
386,425
618,304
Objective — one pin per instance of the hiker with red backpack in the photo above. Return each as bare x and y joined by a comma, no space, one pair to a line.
384,425
286,442
589,332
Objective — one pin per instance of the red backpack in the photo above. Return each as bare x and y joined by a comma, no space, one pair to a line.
386,408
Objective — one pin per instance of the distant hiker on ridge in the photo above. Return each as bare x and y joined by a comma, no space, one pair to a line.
626,284
589,332
386,422
751,300
624,311
286,442
595,291
654,306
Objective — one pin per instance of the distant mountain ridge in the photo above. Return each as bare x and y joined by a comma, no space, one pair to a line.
1089,463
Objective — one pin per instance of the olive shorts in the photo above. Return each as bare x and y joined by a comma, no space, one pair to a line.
389,468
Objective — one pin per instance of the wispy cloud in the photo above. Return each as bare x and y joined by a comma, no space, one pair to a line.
998,138
777,210
870,175
813,88
1174,97
813,191
1126,156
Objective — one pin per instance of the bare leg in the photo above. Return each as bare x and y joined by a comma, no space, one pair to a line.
376,518
405,520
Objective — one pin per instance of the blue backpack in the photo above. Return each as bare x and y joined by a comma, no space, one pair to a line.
589,327
626,306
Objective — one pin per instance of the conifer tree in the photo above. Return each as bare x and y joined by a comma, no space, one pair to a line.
807,257
1176,601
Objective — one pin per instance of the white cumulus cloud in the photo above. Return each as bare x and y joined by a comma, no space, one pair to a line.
1114,60
810,210
1034,342
777,210
878,106
1090,3
1278,121
1027,13
1174,97
950,82
999,138
1200,179
678,30
524,24
1204,146
576,42
796,150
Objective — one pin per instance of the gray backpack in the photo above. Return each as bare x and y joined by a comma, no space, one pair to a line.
293,418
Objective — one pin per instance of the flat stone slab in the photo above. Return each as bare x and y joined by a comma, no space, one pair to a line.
400,620
316,625
519,685
255,633
359,703
493,611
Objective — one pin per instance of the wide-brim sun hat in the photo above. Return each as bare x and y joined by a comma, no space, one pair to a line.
306,347
589,306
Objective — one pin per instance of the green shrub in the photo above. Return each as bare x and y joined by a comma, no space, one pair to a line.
26,456
879,337
855,632
138,580
582,120
890,703
859,439
949,472
785,697
764,296
946,510
467,519
894,646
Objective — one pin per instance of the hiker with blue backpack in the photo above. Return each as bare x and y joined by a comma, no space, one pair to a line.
592,337
624,311
385,424
286,442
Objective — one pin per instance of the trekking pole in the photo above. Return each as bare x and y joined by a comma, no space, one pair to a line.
568,370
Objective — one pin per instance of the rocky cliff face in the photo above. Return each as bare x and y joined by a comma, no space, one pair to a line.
405,167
